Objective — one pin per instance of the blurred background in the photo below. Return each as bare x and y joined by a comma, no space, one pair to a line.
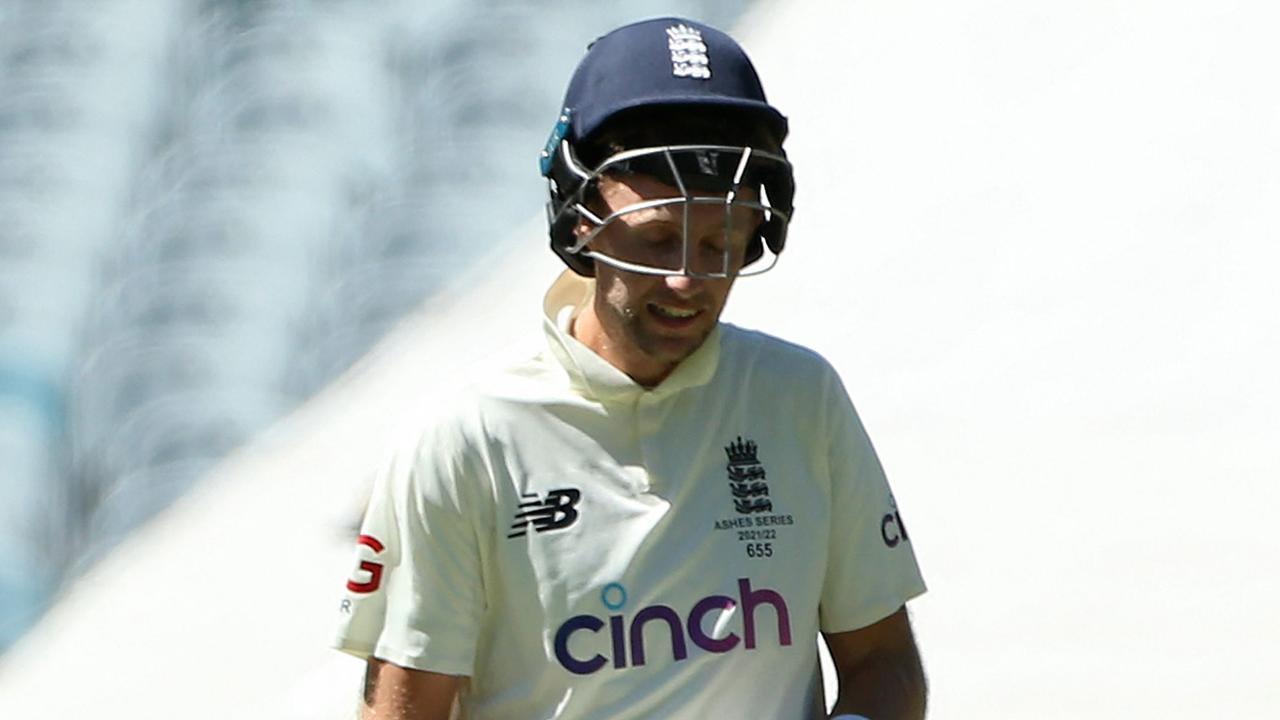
243,242
209,209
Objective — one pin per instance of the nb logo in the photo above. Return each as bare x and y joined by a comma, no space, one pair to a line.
708,161
557,511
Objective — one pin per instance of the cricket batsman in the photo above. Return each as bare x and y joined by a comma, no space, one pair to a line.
657,514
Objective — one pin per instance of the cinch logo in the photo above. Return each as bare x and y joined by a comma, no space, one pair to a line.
891,536
892,531
627,640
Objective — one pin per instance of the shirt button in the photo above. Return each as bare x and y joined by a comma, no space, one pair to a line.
640,480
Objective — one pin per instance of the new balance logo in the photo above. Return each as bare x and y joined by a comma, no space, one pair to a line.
555,512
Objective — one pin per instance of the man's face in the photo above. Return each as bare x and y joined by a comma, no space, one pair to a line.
646,324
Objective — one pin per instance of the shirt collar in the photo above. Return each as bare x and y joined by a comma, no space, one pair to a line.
591,375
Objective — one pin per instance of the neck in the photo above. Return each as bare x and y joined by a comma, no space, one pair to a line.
588,330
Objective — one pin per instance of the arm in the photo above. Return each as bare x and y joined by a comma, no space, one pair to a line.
879,671
414,599
392,692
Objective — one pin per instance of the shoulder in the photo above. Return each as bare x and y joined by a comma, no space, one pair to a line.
771,354
467,412
777,373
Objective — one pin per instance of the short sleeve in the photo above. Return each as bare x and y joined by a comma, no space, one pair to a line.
871,566
414,597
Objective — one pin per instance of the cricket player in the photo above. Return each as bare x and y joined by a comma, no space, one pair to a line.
657,514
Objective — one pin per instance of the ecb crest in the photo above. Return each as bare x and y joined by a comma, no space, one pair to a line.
688,53
747,479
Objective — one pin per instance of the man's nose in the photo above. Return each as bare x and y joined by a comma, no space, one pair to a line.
682,285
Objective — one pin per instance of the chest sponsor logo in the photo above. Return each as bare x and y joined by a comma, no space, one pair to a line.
556,511
580,649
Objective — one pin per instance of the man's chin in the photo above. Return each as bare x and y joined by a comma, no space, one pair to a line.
675,349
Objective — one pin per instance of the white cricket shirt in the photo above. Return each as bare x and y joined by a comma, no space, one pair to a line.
584,548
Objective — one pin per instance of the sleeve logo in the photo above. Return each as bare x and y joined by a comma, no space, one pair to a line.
558,510
372,570
892,531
